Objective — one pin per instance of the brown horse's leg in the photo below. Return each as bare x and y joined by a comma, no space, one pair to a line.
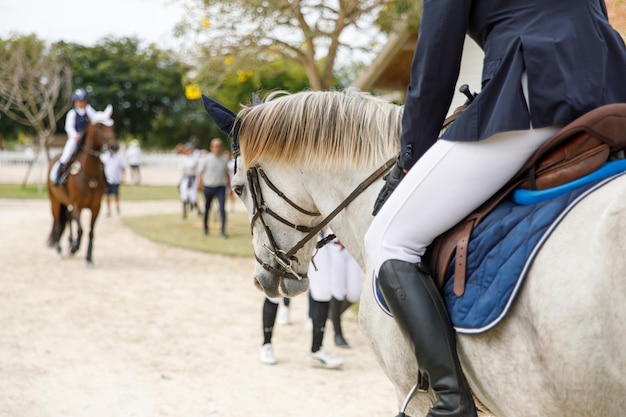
95,210
79,231
59,216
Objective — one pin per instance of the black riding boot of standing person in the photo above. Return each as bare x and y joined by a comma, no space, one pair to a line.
419,311
337,308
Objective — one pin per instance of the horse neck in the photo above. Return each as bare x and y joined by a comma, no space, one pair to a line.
90,152
351,223
91,142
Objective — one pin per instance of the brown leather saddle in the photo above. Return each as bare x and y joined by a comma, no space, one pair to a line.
577,149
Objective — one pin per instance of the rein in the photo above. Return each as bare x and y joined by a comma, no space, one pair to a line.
283,258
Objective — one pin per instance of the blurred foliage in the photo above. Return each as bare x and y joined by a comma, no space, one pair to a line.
409,11
232,85
144,85
319,36
35,86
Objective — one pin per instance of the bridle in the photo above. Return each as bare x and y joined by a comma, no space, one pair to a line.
283,258
104,139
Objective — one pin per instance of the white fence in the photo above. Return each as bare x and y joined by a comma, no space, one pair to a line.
156,168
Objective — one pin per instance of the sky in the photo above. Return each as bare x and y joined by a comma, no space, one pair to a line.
88,21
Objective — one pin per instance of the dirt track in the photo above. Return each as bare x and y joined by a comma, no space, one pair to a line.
154,331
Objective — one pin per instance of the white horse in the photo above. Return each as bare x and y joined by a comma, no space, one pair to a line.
561,351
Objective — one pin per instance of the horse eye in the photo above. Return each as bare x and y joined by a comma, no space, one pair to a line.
238,189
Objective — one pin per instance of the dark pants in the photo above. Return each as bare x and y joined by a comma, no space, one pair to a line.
220,193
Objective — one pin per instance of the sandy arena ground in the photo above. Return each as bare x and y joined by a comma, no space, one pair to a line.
154,331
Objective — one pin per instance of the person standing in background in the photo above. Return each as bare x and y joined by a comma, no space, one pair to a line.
215,180
188,186
133,157
114,168
345,283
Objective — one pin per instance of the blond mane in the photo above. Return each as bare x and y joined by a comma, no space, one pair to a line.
320,129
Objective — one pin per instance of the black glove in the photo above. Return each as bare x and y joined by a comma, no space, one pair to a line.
392,179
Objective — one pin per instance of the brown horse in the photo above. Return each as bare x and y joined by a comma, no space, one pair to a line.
84,186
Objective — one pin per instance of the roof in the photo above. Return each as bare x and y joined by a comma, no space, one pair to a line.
390,70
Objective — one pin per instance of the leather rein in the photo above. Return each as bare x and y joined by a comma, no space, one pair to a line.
283,258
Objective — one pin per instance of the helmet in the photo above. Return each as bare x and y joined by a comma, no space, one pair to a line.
79,94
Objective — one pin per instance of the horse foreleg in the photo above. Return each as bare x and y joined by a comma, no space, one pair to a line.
59,215
75,244
94,216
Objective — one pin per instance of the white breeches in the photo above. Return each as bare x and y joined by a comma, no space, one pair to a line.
345,279
188,189
448,182
68,150
338,275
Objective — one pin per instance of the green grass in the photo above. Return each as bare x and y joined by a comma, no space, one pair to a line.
129,193
172,229
30,191
169,229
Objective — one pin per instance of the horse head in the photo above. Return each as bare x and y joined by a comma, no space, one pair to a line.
281,145
279,223
102,128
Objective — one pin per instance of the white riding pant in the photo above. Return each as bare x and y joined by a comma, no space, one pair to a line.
345,279
188,189
68,150
447,183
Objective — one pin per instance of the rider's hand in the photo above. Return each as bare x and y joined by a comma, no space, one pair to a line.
392,179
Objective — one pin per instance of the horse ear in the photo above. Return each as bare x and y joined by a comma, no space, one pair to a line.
108,110
223,118
256,100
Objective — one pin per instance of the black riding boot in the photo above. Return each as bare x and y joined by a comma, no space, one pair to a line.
419,311
58,179
336,309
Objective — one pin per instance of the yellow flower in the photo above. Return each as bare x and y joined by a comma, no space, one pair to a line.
193,92
242,76
228,60
205,22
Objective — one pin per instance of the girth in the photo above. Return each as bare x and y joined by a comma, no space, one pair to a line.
577,149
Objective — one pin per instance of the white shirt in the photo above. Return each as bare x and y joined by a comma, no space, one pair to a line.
133,155
114,166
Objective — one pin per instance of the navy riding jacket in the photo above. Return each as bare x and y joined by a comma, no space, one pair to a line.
575,61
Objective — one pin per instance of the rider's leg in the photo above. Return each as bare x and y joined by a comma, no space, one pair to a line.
418,309
69,149
449,181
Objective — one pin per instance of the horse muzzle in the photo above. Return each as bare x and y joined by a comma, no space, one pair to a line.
274,286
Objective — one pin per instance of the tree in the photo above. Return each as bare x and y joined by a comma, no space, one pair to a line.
144,85
310,33
35,86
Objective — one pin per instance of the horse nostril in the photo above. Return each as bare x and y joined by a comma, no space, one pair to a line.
257,284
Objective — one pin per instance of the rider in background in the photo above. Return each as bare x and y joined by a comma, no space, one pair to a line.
545,64
76,122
